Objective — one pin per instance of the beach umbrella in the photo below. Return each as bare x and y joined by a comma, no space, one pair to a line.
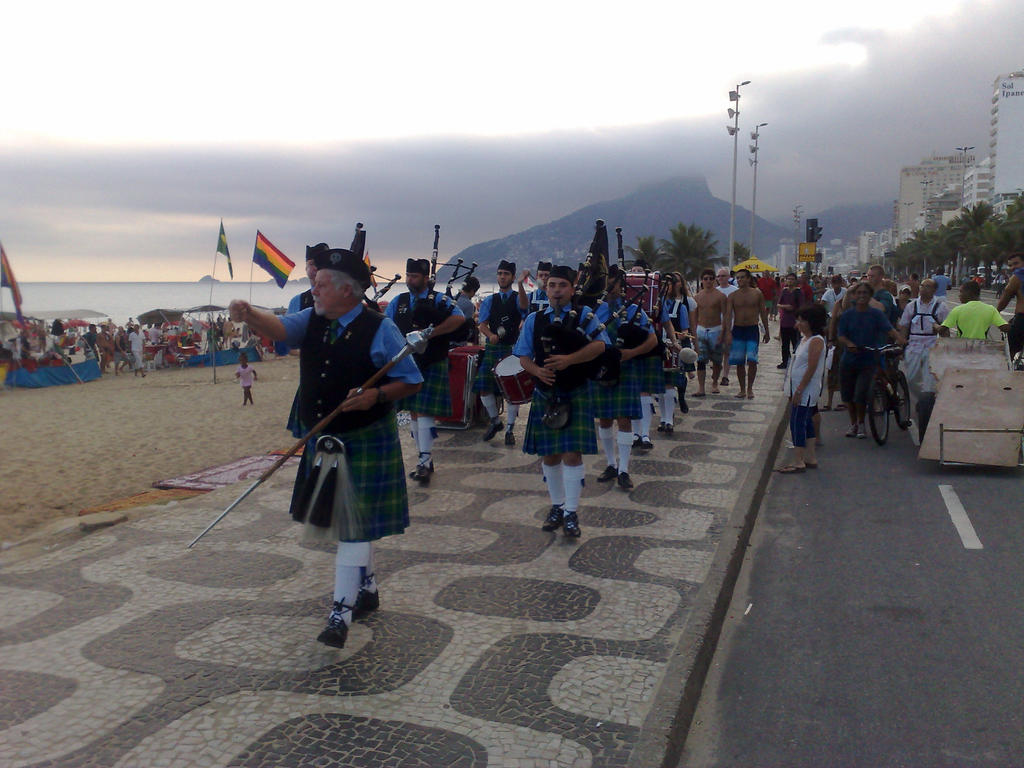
754,264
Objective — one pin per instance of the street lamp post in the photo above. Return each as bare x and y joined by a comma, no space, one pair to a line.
755,135
963,182
734,131
797,213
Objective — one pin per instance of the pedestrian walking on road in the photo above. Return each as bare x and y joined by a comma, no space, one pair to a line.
804,387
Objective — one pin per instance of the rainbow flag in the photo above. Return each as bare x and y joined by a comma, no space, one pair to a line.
276,263
7,281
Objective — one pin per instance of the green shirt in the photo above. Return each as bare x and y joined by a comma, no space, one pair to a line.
973,319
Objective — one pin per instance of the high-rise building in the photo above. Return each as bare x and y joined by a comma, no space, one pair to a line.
918,183
1006,138
978,183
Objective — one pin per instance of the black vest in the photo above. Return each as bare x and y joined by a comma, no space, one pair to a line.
306,299
505,314
564,338
328,370
426,313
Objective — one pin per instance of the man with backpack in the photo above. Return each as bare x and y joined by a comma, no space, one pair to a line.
920,321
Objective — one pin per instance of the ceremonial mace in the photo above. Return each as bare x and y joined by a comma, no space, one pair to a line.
415,342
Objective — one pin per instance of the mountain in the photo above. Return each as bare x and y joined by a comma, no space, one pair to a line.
650,210
846,222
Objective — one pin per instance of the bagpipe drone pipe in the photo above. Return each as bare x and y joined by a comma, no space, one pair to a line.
592,279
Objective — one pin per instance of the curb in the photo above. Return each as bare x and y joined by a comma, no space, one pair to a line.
667,726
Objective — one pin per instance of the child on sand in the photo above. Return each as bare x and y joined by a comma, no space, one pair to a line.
246,375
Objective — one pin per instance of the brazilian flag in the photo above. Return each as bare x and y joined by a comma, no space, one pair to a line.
222,247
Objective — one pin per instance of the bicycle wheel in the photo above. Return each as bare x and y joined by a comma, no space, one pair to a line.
878,412
901,401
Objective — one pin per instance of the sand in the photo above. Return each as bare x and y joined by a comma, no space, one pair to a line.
68,448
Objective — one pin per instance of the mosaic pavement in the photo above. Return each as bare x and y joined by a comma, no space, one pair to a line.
496,643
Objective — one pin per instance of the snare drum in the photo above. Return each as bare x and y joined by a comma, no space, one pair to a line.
515,383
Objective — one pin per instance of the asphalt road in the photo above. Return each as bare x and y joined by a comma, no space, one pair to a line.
863,631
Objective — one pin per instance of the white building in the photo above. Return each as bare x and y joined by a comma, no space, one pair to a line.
978,183
918,183
1006,138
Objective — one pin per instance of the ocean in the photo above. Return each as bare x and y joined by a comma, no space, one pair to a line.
120,301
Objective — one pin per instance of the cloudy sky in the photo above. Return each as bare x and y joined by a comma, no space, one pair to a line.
128,133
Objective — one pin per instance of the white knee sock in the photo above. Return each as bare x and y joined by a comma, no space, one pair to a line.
555,483
369,576
607,437
513,413
349,563
668,406
573,477
647,408
425,437
491,404
625,444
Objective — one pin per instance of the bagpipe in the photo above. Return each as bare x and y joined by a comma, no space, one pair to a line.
629,334
358,247
592,278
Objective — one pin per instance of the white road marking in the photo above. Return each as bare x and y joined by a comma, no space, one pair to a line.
958,515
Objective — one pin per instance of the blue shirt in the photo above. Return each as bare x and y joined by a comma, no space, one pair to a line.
942,284
865,329
439,299
681,319
485,305
538,296
588,322
387,342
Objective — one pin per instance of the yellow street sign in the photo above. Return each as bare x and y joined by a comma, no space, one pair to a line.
807,251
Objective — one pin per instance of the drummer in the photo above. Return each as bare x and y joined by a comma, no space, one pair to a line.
561,385
619,405
499,321
537,299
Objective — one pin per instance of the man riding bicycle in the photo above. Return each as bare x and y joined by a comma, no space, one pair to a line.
861,326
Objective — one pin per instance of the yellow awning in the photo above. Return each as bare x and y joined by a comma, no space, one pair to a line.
754,264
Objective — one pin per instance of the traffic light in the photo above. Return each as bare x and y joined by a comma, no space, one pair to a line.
813,233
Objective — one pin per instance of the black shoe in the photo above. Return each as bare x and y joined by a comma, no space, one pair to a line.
554,519
336,631
724,381
609,474
492,430
646,444
683,407
571,525
624,482
637,442
510,437
669,429
422,473
661,427
783,366
366,602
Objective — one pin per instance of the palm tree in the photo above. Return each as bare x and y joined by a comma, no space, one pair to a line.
646,250
740,252
689,250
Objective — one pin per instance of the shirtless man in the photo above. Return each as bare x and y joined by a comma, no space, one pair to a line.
743,307
723,278
1014,289
710,310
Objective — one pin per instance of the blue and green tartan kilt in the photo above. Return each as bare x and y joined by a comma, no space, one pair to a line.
622,401
578,436
375,466
491,356
434,397
651,374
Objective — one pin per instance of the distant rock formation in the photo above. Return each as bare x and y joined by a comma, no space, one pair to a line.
650,210
208,279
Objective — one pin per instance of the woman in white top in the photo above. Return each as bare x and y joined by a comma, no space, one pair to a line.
804,386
